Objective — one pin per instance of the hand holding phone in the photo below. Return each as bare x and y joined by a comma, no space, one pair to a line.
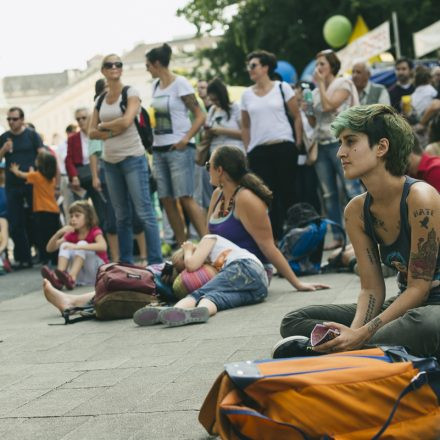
321,334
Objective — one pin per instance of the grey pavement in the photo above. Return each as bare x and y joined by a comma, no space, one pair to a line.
114,380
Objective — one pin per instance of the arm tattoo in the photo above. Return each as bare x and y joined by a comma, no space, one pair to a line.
423,212
423,262
191,102
374,325
378,223
370,308
372,256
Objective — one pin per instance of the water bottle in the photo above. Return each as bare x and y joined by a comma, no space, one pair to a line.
308,99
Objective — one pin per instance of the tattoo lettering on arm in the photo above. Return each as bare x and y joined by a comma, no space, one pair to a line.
372,256
370,308
374,325
423,262
423,212
190,102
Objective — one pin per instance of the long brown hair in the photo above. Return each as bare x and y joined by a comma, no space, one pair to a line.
233,161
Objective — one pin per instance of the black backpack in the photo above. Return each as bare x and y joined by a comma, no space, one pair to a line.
142,121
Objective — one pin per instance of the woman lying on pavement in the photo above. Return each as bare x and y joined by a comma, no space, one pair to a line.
400,216
241,280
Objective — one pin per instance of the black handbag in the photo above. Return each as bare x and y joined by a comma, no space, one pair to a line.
84,175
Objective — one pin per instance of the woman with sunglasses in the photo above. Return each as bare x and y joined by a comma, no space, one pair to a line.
173,148
238,212
268,136
125,164
330,97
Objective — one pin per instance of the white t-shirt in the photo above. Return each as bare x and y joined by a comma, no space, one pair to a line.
126,144
267,115
217,117
422,97
85,147
171,114
226,250
61,156
324,119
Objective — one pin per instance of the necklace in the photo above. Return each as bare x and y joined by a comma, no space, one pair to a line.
224,212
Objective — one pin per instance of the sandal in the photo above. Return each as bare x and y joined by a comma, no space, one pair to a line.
65,278
49,275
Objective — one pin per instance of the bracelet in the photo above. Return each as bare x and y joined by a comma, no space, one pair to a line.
110,134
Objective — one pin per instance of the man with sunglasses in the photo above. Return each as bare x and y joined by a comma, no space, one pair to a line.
19,145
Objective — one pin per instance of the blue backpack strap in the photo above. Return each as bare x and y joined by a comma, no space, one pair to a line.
422,378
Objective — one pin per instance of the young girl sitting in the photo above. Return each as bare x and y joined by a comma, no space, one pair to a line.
241,280
82,249
44,206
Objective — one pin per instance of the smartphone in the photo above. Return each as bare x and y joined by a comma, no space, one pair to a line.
168,268
321,334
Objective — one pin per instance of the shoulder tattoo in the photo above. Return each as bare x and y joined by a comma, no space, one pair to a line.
190,101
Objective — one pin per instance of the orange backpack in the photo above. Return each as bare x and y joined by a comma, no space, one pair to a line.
366,394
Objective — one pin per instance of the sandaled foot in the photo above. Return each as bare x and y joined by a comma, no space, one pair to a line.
55,296
49,275
148,315
65,278
175,316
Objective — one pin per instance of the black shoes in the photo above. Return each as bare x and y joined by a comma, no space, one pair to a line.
293,346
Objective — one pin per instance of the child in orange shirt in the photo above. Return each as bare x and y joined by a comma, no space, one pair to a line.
45,209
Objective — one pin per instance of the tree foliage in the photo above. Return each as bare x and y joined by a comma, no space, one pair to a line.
292,29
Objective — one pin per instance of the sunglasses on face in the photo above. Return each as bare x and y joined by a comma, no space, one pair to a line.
110,65
9,119
81,118
252,66
208,165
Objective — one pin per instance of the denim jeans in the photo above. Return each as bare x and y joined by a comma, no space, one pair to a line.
240,283
129,179
329,169
418,329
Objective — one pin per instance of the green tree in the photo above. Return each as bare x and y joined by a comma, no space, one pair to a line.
292,29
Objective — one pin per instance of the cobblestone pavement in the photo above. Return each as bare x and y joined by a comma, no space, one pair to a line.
114,380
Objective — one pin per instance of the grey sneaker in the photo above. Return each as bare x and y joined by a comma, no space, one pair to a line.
293,346
175,316
148,315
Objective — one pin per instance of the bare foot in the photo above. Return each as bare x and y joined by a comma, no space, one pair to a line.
55,297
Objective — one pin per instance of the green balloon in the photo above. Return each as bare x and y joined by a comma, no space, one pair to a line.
337,30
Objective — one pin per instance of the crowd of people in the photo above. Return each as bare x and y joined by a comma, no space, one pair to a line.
359,140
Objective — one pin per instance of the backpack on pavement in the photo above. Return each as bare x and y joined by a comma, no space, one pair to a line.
122,289
303,241
356,395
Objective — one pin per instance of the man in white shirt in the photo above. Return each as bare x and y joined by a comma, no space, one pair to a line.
369,93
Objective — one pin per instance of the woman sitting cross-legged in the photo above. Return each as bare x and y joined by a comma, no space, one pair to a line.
396,222
241,281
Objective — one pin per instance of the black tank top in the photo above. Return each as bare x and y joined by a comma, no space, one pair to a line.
396,255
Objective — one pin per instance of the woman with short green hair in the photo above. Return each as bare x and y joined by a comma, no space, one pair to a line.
397,221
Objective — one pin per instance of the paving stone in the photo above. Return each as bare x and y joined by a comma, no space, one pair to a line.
57,402
48,428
